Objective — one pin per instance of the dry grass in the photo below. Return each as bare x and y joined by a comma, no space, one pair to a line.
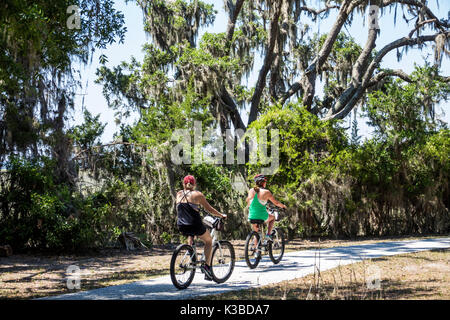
32,276
27,277
422,275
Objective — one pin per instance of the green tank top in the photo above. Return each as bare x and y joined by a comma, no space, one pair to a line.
257,210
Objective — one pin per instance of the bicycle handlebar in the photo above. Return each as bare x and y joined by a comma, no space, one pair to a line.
275,208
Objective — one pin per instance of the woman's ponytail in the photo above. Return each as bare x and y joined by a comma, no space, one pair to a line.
258,186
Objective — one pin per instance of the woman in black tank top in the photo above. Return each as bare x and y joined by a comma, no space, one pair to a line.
189,221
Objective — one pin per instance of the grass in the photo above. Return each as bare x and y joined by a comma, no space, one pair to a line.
32,276
414,276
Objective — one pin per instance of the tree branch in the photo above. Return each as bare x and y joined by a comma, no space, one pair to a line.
343,111
228,102
234,13
388,73
442,25
419,25
307,81
315,12
224,97
260,84
405,41
357,72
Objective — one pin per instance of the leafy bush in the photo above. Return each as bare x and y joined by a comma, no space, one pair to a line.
385,186
36,213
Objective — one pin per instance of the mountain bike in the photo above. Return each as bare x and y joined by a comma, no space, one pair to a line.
256,246
185,260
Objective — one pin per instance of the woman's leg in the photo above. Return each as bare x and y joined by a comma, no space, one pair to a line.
270,223
206,238
255,228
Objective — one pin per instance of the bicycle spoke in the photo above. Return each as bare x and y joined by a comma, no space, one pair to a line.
276,249
182,266
253,250
223,261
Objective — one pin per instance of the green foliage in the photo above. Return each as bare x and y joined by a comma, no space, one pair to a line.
37,78
405,112
178,20
37,212
307,145
87,134
394,183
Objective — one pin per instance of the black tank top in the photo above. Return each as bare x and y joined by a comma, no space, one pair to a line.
187,215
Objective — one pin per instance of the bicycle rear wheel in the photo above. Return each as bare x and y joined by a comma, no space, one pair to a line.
223,259
182,266
252,251
276,247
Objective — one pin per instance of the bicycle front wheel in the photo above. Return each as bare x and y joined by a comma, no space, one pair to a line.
223,259
182,266
252,251
276,247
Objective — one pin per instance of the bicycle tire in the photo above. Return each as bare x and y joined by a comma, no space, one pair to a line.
188,266
252,263
222,247
278,242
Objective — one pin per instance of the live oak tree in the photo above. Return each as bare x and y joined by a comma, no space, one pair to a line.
293,55
41,43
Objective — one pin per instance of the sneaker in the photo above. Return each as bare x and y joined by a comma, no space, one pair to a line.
268,238
207,271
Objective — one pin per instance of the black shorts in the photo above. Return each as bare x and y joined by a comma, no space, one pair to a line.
192,230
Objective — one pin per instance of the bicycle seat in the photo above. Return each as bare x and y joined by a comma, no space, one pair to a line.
256,221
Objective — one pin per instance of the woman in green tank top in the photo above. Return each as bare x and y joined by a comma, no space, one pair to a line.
257,200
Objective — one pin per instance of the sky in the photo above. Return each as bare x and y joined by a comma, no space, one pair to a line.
91,96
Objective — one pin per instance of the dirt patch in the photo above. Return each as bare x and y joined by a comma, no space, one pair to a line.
25,277
32,276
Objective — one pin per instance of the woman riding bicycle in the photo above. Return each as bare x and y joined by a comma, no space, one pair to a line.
257,200
189,221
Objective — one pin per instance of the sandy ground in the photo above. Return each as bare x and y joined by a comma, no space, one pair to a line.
24,276
413,276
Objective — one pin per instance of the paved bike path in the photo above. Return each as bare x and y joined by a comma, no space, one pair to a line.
294,265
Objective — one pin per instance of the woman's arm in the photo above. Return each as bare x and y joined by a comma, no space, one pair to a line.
251,194
202,200
275,201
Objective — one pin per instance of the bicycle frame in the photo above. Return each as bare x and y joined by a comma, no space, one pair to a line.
186,259
262,227
194,256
